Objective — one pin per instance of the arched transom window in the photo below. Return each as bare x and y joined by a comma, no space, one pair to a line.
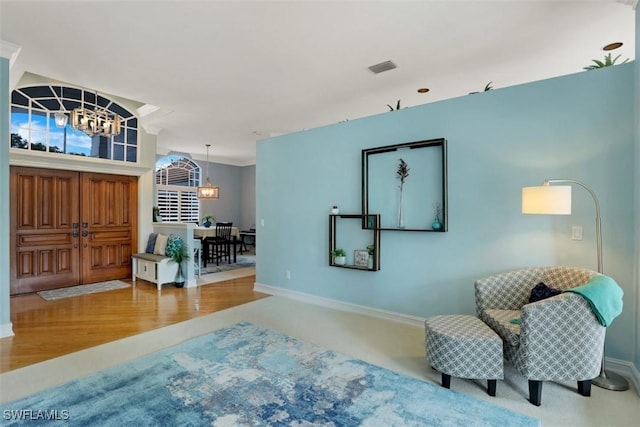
33,125
177,180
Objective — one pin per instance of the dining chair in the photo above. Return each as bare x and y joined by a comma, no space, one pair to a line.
222,242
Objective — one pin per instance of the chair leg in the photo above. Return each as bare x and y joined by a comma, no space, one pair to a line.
491,387
535,392
584,388
446,381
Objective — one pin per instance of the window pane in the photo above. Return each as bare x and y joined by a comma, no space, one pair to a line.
38,121
18,98
78,143
132,136
56,137
132,154
19,127
118,152
38,141
119,137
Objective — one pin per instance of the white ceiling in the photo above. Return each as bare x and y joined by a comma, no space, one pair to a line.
231,73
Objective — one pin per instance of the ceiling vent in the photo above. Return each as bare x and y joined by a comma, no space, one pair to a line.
382,67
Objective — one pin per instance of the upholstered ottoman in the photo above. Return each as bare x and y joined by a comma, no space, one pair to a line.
464,346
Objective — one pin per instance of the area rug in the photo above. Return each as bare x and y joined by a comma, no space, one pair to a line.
242,262
249,375
74,291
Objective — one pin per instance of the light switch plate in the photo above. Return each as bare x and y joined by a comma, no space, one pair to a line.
576,232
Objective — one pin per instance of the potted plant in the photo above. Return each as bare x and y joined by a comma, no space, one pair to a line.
339,256
206,220
179,255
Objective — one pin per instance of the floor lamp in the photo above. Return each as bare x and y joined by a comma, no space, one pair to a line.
556,200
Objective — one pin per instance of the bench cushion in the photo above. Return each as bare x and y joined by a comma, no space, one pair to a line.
150,257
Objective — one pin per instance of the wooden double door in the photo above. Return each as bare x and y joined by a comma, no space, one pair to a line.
70,228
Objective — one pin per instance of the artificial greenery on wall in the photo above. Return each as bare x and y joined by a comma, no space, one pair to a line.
608,62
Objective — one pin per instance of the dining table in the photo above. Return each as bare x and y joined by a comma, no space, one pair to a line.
203,232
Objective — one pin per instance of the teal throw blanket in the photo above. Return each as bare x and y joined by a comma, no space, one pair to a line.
604,296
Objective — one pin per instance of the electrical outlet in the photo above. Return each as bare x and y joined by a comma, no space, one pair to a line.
287,275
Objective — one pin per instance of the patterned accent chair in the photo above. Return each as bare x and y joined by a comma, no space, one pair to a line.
557,339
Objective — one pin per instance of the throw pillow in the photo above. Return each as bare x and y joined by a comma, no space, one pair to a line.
174,243
542,291
160,247
151,243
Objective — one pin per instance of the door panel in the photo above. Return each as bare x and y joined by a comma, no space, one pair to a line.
44,206
109,226
70,228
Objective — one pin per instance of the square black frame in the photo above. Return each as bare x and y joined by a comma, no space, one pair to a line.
439,143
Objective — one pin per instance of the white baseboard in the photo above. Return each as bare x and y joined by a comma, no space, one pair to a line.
622,367
6,330
340,305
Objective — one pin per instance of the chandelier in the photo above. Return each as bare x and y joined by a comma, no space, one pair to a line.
208,191
95,122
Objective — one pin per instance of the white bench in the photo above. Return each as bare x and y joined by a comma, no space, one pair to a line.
158,269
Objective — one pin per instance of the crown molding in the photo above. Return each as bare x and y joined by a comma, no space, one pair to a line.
632,3
9,51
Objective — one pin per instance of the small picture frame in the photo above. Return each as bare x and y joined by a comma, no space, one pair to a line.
361,258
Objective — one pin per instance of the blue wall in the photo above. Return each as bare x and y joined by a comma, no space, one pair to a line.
5,318
637,190
579,126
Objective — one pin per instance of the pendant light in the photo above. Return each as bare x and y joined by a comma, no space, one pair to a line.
208,191
60,116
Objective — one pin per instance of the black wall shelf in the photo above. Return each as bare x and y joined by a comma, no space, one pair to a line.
372,224
425,187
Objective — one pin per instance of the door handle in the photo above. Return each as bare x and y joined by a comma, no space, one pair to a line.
74,234
85,224
85,233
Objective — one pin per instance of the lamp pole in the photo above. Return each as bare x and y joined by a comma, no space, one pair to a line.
607,380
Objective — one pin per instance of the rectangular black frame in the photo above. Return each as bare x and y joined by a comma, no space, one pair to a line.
439,143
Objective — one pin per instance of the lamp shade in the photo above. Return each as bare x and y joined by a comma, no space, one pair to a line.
61,119
208,191
546,199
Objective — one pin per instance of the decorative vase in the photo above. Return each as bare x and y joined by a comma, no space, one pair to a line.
207,223
436,225
179,277
335,210
340,260
400,212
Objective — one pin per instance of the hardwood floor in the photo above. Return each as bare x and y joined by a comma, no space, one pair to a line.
48,329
